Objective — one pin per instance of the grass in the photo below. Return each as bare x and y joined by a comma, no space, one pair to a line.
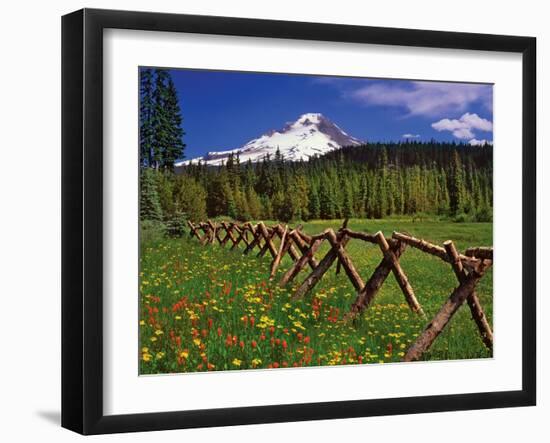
207,308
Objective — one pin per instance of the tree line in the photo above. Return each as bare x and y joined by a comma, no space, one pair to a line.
373,180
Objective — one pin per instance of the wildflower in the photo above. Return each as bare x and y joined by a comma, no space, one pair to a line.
241,344
254,344
275,364
219,332
184,353
147,357
237,362
159,355
306,340
252,321
197,341
285,345
159,332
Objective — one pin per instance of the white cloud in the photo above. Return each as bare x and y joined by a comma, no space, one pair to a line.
464,127
410,136
476,142
425,98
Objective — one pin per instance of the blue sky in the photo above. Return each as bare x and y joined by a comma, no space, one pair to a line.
224,110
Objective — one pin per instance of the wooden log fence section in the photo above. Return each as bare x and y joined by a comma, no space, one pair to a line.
280,241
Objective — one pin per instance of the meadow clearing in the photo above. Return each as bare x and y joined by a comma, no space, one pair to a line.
207,308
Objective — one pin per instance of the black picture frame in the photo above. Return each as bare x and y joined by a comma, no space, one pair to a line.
82,219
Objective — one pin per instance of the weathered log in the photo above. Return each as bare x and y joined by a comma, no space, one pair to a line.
229,231
256,241
485,253
318,272
242,235
206,229
366,295
438,251
344,226
212,231
398,273
239,237
344,260
291,249
473,300
283,248
360,235
294,270
442,318
193,230
268,237
303,246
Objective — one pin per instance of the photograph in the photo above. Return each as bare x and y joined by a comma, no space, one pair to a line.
294,220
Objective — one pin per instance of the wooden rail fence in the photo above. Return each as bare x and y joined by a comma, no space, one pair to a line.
468,268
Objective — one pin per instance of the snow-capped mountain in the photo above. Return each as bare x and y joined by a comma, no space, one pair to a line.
312,134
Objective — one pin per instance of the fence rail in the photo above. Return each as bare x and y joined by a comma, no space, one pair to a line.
469,268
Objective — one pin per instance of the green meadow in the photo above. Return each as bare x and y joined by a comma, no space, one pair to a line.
208,308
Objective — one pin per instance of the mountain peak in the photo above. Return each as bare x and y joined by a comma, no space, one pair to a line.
310,117
312,134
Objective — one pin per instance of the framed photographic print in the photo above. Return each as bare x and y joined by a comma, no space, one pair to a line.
269,221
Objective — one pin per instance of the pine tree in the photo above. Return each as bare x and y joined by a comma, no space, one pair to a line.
314,203
347,206
456,185
149,205
326,201
146,117
161,125
174,149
